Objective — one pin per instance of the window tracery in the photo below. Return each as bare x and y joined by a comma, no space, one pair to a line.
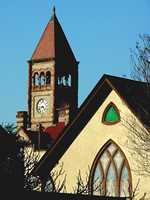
110,174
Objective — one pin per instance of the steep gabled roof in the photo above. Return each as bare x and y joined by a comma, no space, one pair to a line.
45,48
137,96
133,93
53,42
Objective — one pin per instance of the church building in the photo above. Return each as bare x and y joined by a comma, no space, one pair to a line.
92,139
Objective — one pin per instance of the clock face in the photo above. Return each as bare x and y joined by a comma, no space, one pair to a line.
42,106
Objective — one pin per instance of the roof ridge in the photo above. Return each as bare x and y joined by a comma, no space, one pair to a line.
123,78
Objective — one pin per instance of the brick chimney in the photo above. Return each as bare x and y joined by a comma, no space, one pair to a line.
22,119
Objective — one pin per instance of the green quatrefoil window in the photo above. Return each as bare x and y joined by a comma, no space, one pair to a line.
111,114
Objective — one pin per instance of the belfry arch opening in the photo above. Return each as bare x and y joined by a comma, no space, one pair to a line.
64,80
48,77
42,79
36,81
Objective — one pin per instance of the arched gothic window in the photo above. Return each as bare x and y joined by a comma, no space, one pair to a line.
110,173
42,79
111,115
48,77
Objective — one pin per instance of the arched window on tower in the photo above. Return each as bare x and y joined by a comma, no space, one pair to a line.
36,79
48,77
68,80
42,79
59,80
110,173
63,80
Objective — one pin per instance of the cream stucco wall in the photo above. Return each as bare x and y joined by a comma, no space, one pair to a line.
81,154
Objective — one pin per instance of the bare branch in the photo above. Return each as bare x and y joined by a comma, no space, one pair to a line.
82,185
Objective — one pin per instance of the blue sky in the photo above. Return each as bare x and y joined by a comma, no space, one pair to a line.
100,32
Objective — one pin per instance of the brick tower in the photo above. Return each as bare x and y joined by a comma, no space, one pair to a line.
52,80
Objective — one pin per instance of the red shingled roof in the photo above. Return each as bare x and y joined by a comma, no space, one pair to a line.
45,47
53,41
55,131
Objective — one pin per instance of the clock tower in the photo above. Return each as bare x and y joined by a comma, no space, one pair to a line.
52,79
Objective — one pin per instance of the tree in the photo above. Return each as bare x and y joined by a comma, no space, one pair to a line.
56,182
16,162
30,158
11,163
82,186
140,58
139,136
19,158
9,127
53,182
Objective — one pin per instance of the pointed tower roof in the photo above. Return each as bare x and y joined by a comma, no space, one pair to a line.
53,42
